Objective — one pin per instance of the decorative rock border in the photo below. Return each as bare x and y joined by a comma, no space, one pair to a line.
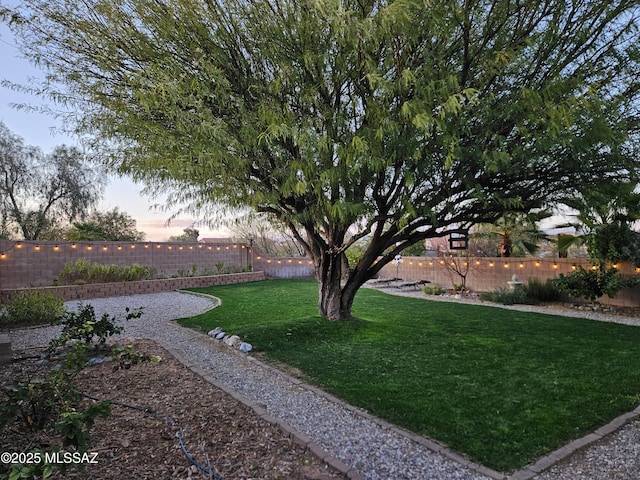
233,341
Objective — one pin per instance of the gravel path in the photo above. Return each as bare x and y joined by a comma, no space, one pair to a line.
374,451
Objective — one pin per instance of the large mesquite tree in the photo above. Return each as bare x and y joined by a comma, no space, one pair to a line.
393,121
41,192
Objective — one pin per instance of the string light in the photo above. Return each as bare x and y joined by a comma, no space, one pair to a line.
89,247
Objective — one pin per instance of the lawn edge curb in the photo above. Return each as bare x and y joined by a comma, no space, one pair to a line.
565,451
414,437
528,472
297,438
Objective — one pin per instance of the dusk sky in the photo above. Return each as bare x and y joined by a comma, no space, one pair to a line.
36,130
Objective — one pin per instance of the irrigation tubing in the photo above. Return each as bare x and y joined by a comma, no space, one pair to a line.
170,420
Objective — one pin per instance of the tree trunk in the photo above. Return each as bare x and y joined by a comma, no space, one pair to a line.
505,246
335,301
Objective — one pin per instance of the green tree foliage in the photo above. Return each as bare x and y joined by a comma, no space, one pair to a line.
39,192
517,234
392,120
112,225
189,235
594,282
614,242
603,222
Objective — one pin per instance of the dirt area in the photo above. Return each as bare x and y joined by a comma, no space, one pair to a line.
217,430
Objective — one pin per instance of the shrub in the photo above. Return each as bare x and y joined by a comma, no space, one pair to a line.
433,290
542,291
31,307
593,283
52,401
83,327
507,296
83,271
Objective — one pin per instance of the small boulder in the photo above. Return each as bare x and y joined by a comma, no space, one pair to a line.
220,335
245,347
233,340
214,332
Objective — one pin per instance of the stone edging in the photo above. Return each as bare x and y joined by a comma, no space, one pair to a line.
299,439
527,473
562,453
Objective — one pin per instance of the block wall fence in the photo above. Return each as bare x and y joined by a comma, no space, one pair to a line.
28,264
37,264
486,274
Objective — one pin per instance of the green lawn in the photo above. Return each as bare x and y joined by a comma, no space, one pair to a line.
500,386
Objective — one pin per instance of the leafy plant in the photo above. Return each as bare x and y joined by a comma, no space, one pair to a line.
506,296
540,291
433,290
31,307
38,469
593,283
84,271
82,326
126,357
75,425
52,400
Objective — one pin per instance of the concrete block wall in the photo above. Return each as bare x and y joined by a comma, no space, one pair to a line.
102,290
294,267
487,274
36,263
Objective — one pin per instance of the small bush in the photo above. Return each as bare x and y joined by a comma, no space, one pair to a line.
433,290
593,283
542,291
33,308
507,296
83,271
83,327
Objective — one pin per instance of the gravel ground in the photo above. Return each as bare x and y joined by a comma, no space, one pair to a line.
376,452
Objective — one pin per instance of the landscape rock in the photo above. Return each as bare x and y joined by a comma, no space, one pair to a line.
245,347
220,335
233,340
214,332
